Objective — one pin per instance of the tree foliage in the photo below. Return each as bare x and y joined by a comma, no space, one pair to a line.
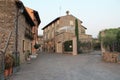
77,35
76,29
36,46
110,39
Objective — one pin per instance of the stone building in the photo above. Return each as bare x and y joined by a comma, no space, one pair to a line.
60,30
16,24
36,19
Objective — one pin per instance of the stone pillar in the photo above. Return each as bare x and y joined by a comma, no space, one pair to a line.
102,49
74,46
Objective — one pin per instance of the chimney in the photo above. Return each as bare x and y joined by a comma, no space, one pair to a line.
67,12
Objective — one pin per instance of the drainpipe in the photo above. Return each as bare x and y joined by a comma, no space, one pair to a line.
16,52
16,32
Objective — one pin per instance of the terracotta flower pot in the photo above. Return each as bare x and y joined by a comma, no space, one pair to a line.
6,73
10,71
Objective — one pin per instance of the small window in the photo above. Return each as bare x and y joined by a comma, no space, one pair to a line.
52,34
83,31
23,46
58,22
52,25
71,22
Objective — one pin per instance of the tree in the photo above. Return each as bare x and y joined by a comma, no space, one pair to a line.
118,41
110,39
77,35
76,30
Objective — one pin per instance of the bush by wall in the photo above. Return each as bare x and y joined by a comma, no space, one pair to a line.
36,46
111,39
68,45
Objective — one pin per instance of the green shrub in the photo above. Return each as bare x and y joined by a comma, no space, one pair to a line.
111,39
36,46
8,61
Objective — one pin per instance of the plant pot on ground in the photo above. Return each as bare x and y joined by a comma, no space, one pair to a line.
8,65
16,64
27,55
36,46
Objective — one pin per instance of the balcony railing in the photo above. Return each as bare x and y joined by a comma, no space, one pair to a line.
28,34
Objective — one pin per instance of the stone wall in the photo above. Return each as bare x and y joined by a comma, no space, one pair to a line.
85,38
111,57
7,15
65,36
69,20
8,19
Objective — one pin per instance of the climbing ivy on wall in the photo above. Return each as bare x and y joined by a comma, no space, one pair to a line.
76,30
77,35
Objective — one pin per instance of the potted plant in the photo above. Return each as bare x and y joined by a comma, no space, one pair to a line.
6,71
8,65
27,55
16,62
36,46
11,64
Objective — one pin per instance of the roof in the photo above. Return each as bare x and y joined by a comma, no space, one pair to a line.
25,13
83,26
51,23
37,17
58,19
33,14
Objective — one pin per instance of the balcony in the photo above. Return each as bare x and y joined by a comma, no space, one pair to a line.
68,29
28,34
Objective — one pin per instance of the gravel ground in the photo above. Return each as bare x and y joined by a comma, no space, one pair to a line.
51,66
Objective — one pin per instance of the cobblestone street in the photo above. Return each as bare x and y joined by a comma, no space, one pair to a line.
67,67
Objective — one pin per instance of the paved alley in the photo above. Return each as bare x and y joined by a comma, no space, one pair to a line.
67,67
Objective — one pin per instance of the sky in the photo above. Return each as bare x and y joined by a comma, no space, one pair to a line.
96,15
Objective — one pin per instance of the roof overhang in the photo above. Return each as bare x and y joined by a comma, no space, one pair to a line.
25,13
51,23
37,16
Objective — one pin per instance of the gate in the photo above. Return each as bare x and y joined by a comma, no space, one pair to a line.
1,65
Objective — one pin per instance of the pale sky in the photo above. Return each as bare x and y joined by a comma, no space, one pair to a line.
95,14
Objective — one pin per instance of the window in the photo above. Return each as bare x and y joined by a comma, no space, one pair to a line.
58,22
45,37
23,46
52,34
44,31
48,27
53,25
71,22
83,31
48,36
